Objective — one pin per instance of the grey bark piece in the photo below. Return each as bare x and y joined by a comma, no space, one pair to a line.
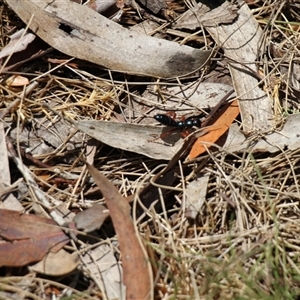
79,31
106,271
240,42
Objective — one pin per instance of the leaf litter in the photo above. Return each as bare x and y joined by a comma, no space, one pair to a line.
204,225
29,238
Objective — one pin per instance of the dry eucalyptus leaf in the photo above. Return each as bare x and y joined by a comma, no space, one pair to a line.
195,196
137,273
202,15
28,238
206,95
287,138
75,30
22,48
182,99
91,218
142,139
57,264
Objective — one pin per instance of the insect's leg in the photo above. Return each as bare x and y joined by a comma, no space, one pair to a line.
184,133
172,114
165,134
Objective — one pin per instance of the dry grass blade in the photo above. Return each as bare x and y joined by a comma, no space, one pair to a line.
137,274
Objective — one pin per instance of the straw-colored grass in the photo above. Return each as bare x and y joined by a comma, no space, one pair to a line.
245,242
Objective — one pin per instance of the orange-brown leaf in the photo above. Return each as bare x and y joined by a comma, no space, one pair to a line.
216,129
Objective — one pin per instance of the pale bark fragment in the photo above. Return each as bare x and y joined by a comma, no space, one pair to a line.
241,41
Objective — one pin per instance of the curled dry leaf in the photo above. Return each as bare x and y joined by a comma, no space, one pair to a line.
18,42
67,27
22,48
137,275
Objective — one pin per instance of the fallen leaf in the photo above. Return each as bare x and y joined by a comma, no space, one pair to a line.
137,275
52,263
21,48
205,96
288,138
195,193
17,80
91,218
256,104
202,15
28,238
144,139
18,42
67,27
217,127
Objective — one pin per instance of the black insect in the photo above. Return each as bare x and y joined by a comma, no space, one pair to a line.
182,124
